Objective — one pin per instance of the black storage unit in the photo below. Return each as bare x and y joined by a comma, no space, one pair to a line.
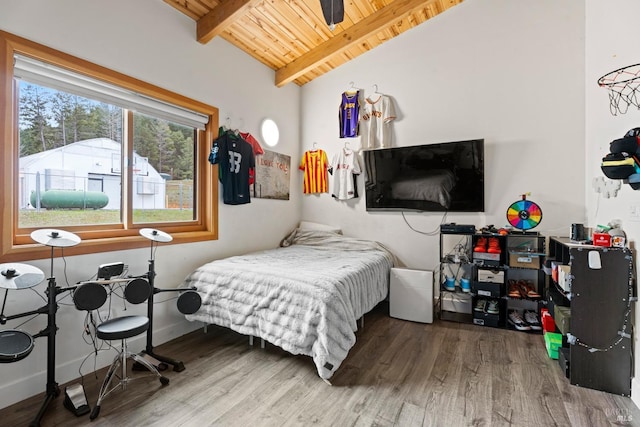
525,257
600,300
489,286
519,259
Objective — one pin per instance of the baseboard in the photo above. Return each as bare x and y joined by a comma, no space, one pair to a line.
68,371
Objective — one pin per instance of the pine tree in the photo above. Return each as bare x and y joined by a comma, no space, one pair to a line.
78,116
61,109
33,112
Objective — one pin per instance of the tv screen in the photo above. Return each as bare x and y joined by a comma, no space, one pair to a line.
435,177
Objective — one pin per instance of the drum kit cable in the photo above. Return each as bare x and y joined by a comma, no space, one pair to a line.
15,345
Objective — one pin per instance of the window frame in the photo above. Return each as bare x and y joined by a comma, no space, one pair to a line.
17,245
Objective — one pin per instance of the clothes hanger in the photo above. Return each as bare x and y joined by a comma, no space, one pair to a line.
226,126
375,92
231,133
237,130
352,88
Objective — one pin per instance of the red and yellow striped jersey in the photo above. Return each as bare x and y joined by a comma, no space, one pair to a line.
314,163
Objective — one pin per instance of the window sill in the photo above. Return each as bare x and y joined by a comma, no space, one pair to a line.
33,251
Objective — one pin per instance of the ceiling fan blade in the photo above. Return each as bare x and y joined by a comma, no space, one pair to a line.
333,11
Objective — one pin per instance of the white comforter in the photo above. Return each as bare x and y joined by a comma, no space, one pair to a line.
304,297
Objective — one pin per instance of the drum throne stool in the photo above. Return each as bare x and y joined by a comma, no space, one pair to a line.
90,297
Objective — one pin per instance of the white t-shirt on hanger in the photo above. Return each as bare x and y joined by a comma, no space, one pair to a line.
344,167
377,117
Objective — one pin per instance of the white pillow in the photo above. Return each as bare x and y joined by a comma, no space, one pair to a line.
308,225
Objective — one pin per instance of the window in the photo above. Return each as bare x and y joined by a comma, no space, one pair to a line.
99,154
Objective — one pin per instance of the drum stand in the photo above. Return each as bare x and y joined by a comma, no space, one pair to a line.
178,366
52,389
156,236
49,238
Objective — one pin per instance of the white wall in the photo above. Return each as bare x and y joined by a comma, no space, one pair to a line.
150,40
511,72
611,43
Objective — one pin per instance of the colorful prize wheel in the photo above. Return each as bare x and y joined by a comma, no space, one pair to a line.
524,214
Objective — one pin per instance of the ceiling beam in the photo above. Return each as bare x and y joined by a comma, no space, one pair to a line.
221,17
369,26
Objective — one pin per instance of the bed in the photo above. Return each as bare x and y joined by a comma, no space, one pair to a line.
434,186
304,296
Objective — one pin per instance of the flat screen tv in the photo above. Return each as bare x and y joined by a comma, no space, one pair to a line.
434,177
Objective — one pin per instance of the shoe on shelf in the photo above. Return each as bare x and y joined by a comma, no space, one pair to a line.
492,307
515,318
527,289
494,246
450,284
481,245
465,284
514,290
531,317
522,288
480,305
530,290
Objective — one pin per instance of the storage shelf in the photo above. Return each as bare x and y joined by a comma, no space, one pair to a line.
488,286
598,303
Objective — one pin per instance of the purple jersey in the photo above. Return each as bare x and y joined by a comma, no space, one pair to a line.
349,114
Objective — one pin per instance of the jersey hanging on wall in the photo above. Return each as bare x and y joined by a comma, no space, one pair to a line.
255,145
314,164
345,167
376,120
349,114
257,148
235,162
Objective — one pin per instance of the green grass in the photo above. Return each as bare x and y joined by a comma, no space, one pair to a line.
57,218
162,215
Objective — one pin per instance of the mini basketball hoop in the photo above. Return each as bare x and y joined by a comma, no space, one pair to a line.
623,85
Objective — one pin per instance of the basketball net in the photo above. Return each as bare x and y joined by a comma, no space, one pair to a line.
623,86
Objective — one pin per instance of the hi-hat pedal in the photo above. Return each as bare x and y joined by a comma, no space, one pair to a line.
75,400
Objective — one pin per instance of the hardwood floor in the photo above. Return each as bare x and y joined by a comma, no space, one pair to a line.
398,374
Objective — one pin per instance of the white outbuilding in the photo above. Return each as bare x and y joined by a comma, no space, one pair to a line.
91,165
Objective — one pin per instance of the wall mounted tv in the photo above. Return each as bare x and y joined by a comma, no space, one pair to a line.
434,177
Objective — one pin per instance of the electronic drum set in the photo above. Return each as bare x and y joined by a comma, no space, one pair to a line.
15,345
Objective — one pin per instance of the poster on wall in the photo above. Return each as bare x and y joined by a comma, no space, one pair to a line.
272,176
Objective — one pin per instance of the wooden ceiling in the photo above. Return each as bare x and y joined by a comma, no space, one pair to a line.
291,36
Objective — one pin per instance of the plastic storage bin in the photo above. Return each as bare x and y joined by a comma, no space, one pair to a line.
553,342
